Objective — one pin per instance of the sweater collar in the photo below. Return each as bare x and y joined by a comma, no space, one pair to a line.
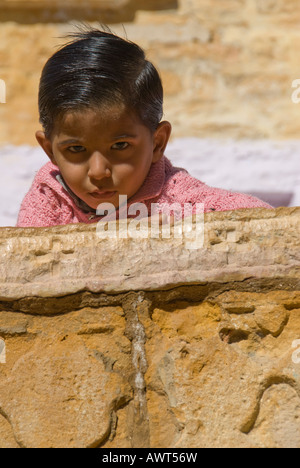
151,187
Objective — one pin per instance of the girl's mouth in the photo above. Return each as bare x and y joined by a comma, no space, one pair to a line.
102,195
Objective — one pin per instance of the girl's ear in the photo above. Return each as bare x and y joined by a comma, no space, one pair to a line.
160,140
46,144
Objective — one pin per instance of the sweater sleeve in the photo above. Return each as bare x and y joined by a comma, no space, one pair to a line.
183,188
224,200
41,207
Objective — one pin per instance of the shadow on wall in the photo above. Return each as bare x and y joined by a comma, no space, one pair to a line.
53,11
275,199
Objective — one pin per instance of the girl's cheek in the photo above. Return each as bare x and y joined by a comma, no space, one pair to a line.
75,178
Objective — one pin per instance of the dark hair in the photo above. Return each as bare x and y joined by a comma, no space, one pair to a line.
98,68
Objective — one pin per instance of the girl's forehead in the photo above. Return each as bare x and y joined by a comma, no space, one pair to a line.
89,120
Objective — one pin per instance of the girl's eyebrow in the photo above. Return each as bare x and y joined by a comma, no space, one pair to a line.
68,142
73,141
119,137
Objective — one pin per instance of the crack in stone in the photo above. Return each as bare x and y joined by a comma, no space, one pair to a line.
135,303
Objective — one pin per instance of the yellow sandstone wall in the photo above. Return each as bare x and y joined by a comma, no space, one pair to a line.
227,65
145,343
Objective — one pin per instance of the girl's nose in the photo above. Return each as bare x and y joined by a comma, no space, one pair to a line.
99,168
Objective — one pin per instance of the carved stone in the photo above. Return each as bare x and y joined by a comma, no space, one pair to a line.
144,343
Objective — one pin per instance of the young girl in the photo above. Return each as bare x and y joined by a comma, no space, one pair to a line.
101,105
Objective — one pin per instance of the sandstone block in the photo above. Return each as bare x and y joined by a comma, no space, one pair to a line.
124,343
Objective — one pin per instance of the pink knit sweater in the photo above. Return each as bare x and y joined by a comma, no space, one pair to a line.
48,203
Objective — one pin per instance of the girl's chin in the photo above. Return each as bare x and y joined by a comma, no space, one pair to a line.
93,200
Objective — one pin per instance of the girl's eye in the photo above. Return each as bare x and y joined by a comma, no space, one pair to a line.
121,145
76,149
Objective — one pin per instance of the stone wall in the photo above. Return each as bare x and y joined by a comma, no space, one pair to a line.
125,342
227,65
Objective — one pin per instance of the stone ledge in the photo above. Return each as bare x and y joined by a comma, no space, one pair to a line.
258,244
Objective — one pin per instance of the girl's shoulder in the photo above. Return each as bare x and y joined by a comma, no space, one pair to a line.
179,183
43,203
181,187
47,175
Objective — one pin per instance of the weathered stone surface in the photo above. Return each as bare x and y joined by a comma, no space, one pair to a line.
61,375
259,243
106,348
212,372
82,396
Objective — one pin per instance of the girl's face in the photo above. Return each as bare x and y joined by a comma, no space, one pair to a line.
104,154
